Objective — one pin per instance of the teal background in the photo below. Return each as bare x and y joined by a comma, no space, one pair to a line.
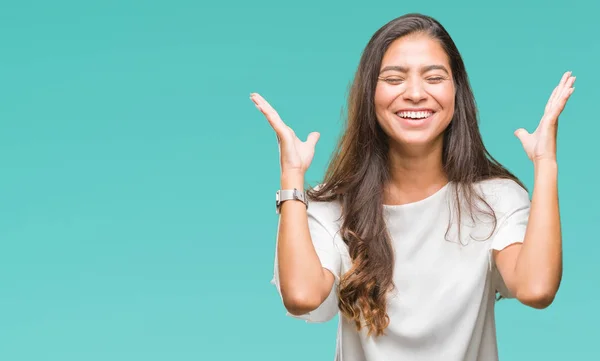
137,179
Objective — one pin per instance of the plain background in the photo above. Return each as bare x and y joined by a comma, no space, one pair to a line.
138,181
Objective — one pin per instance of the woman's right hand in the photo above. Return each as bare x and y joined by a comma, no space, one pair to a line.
295,155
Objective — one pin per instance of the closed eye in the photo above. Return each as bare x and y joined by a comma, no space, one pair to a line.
435,79
397,81
392,80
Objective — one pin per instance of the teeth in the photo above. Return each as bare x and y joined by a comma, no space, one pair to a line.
414,115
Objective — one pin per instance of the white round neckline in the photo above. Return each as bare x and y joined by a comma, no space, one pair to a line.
421,201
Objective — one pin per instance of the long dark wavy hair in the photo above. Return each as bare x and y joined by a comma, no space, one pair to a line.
359,169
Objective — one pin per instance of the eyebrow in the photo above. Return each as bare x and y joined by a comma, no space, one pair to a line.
423,69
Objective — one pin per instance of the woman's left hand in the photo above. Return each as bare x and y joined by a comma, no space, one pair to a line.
541,144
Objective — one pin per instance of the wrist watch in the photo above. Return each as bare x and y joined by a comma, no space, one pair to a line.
283,195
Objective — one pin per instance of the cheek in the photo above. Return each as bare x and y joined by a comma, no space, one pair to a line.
384,96
444,96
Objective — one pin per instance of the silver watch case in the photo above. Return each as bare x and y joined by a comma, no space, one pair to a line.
283,195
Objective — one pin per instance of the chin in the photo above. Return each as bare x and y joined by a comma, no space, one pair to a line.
417,139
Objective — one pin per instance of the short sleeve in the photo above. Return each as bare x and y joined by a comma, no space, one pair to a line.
328,253
512,211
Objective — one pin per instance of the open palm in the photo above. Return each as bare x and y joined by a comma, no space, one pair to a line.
295,155
541,144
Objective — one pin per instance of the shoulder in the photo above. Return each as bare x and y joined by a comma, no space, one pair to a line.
502,187
325,222
503,195
326,212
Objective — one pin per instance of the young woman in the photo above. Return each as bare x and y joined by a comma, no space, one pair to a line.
415,228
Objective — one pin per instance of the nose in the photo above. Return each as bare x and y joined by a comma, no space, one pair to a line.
414,91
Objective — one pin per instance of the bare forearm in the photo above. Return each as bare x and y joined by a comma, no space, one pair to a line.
539,266
301,276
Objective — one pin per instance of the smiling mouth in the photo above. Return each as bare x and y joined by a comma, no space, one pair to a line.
415,115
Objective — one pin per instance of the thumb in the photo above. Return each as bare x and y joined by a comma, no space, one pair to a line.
313,138
521,134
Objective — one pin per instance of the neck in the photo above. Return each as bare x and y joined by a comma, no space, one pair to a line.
414,175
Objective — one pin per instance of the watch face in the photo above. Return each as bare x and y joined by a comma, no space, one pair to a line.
277,202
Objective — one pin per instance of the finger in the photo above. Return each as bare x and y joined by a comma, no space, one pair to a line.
551,100
563,88
564,78
272,116
313,138
560,86
565,93
521,134
571,82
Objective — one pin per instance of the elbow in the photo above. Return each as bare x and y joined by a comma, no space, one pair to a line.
538,298
300,303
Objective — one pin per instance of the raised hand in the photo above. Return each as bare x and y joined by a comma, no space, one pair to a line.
295,155
541,144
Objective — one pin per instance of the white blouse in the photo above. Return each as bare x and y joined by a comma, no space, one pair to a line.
442,307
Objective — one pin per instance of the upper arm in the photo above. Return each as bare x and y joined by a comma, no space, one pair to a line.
322,235
511,204
328,284
506,261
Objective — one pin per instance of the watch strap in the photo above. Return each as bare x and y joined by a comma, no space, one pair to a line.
283,195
